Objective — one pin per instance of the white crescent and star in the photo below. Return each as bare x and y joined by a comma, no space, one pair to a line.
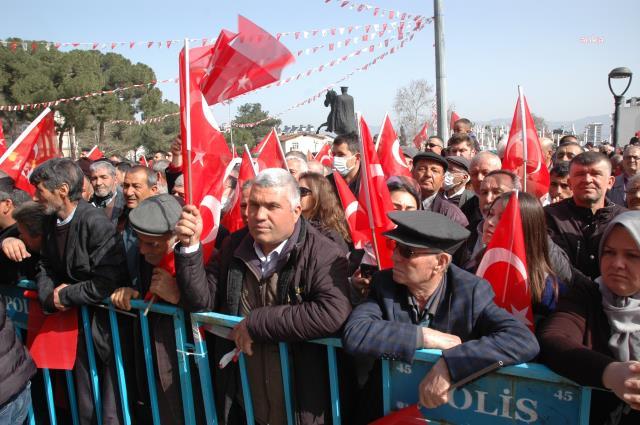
213,205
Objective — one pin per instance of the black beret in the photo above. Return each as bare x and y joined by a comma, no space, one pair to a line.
427,229
460,161
156,216
431,156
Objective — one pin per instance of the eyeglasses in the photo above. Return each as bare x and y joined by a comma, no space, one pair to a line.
433,145
407,251
304,191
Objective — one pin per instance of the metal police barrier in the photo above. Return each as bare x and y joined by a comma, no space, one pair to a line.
526,393
17,307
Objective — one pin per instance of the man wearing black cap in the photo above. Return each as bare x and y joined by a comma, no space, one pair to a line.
429,171
154,221
455,181
426,302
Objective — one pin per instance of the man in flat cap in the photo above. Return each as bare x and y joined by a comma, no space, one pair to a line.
454,188
429,170
154,220
426,302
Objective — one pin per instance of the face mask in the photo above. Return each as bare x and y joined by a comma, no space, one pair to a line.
340,165
449,182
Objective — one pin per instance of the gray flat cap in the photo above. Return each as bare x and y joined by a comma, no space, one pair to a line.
426,229
460,161
156,216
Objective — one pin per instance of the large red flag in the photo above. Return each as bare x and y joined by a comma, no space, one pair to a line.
34,146
504,264
232,220
421,137
325,156
243,62
95,153
374,195
45,331
537,178
354,213
271,154
454,117
3,142
388,147
209,152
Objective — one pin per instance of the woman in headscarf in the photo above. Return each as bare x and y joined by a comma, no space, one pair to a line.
593,337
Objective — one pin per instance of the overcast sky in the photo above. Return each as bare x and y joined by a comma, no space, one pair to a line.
491,47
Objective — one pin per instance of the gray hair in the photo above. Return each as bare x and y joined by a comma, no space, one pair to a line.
482,155
179,181
31,215
247,185
304,167
160,166
99,165
279,178
58,171
297,155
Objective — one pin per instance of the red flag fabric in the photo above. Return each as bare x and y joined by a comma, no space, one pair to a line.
537,178
209,154
95,153
34,146
325,156
167,263
408,416
232,220
59,330
3,142
374,195
504,264
243,62
421,137
388,147
143,161
354,213
454,117
271,154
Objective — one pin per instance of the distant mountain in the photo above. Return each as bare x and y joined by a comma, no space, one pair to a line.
579,123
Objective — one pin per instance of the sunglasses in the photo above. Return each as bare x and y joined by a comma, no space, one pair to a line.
433,145
305,192
407,251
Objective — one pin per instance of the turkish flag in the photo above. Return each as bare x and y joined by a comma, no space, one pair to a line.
143,161
209,153
167,263
374,195
325,156
408,416
537,174
243,62
232,220
270,154
95,153
454,117
504,265
34,146
3,142
52,339
388,147
421,137
354,213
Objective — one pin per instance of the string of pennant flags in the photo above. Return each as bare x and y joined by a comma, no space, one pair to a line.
307,101
112,45
377,11
331,46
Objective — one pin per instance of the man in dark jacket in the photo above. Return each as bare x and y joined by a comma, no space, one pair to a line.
82,262
288,282
576,224
106,192
425,302
630,167
16,369
429,171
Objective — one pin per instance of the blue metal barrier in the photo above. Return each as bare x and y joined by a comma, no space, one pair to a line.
526,393
17,310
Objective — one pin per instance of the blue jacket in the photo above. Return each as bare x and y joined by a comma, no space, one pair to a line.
382,326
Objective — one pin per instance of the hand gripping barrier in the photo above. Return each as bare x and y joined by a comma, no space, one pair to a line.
17,310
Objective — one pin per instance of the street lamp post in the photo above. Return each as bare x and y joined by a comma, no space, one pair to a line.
618,73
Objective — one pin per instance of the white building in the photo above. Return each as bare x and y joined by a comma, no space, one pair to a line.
303,142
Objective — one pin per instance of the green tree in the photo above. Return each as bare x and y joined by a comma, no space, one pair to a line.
250,113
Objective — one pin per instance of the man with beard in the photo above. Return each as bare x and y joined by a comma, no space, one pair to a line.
106,193
82,262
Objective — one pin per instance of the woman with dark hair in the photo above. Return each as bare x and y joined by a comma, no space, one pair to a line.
544,284
320,205
593,337
405,193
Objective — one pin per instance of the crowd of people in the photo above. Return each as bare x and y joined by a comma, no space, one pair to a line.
103,229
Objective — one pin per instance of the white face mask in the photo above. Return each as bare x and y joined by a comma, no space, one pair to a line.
449,182
340,165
